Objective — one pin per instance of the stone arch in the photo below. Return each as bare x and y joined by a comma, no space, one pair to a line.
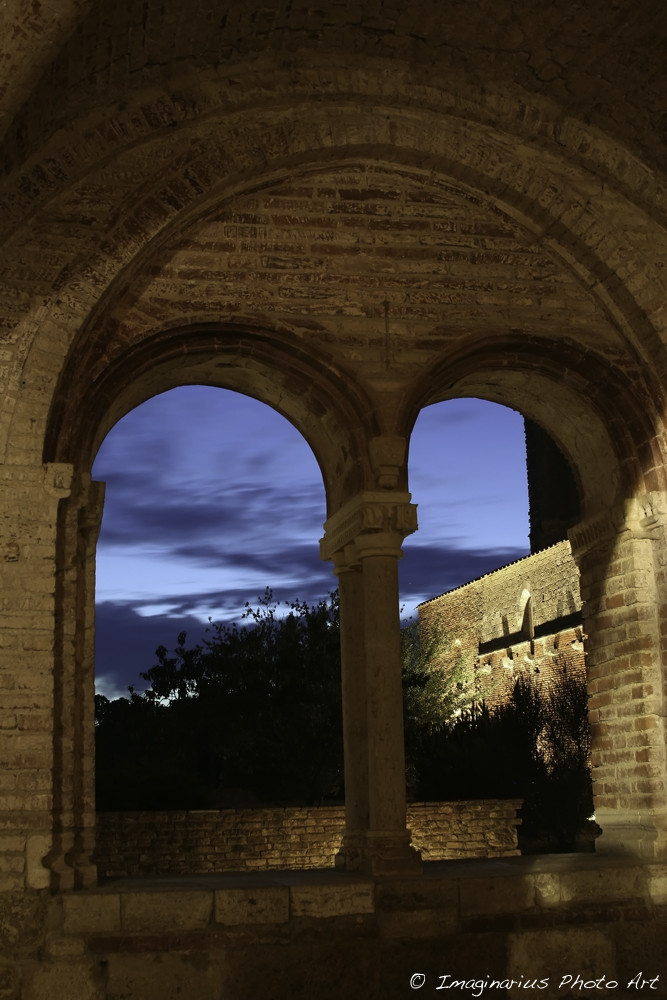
187,171
334,418
608,422
328,410
609,425
164,163
525,617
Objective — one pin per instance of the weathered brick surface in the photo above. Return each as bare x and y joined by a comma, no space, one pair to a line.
491,611
288,838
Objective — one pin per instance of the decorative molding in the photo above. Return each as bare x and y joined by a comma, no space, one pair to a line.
640,517
58,478
645,516
370,514
595,531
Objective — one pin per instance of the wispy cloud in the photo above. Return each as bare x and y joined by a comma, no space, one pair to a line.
212,497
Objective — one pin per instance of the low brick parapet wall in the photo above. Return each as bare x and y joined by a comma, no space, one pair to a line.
478,828
180,842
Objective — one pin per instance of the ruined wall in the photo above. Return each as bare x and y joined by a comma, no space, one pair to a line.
140,843
523,618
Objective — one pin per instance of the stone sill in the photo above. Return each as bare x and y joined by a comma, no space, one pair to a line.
449,896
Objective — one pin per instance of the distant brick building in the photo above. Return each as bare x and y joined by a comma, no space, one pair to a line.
523,618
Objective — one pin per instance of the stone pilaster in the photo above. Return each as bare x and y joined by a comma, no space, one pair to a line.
363,540
622,555
79,522
30,497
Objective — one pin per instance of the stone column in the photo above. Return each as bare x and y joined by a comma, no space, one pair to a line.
621,556
364,541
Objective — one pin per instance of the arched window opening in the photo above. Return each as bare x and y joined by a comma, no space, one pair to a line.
502,673
214,509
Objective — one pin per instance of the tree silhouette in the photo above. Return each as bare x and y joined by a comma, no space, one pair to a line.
253,714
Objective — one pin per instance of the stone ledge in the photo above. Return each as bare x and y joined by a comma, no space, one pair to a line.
268,905
332,900
501,895
153,911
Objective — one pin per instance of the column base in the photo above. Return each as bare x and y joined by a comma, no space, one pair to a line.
631,834
379,853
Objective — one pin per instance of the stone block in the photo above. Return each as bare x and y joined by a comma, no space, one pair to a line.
37,875
165,911
91,913
11,883
59,947
10,974
602,884
266,905
656,876
496,895
412,894
332,900
547,889
640,948
419,924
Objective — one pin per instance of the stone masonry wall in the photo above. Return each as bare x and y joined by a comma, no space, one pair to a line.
143,843
347,937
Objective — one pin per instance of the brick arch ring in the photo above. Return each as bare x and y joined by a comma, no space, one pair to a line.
324,403
606,421
209,161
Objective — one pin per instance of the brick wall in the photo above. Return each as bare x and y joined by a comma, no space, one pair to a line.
485,621
142,843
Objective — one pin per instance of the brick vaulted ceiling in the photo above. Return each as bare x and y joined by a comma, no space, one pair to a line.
602,60
388,184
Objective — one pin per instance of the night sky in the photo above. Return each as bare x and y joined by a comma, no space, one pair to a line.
211,497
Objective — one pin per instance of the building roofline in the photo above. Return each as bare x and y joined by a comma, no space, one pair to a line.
476,579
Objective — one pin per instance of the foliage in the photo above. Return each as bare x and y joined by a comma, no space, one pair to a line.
252,714
534,746
437,687
436,683
142,760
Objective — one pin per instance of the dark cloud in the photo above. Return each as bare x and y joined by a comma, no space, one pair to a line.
126,640
180,521
125,644
297,561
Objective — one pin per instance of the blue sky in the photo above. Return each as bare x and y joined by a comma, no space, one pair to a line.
211,497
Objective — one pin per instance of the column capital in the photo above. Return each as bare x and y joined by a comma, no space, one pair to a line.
372,522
